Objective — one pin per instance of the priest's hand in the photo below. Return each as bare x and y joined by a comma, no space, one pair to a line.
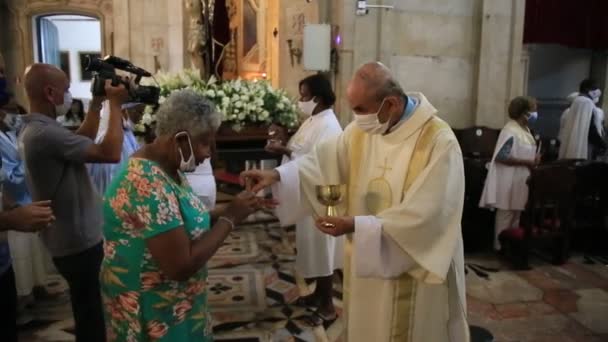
336,226
275,147
256,180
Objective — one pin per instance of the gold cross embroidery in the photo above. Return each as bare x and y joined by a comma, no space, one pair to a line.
385,168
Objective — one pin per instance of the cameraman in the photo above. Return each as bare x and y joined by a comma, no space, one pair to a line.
55,167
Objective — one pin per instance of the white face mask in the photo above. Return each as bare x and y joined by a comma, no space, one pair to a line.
595,95
63,109
307,108
190,164
370,122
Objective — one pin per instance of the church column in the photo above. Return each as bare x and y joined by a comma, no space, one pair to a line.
121,34
361,42
500,67
176,37
343,18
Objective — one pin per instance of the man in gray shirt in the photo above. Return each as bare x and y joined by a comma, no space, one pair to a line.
55,170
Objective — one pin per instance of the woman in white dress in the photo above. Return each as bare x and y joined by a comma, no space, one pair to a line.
515,155
318,254
203,183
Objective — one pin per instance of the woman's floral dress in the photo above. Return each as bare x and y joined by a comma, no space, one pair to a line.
141,304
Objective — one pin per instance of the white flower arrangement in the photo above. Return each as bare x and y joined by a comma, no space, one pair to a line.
241,102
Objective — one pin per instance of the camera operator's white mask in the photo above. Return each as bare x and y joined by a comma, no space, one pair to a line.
63,109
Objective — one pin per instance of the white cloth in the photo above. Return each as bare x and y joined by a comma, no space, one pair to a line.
406,243
506,186
203,183
318,254
598,117
384,259
575,132
505,219
30,260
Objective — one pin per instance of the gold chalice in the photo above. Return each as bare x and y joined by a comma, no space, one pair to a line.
331,196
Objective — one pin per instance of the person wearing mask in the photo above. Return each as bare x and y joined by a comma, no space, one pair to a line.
160,236
102,174
581,134
403,170
318,254
74,117
515,155
55,167
29,259
25,219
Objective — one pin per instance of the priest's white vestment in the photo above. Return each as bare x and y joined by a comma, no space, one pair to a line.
404,264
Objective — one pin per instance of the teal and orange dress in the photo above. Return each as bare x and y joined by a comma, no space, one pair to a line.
140,302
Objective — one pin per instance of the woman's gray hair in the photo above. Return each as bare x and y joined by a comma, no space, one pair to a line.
187,110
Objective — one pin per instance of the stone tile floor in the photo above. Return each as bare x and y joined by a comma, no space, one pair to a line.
548,303
566,303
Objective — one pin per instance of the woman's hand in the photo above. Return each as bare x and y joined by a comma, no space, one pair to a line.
243,205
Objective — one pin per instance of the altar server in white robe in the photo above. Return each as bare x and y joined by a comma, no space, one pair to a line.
403,168
564,118
581,134
318,254
506,187
203,183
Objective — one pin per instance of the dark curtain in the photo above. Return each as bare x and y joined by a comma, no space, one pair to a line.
577,24
221,30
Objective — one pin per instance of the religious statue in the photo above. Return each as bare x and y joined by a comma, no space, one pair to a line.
230,52
196,36
200,37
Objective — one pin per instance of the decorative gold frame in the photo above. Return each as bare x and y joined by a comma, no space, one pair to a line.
252,61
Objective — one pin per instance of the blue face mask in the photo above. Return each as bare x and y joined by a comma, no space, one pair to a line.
532,117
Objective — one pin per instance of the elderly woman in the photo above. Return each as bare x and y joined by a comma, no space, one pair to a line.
516,153
158,235
318,254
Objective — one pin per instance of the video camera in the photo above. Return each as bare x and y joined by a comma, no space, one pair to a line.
105,69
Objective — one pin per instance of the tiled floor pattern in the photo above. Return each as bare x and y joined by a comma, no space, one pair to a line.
252,283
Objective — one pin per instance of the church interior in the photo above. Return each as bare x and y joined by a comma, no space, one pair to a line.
470,59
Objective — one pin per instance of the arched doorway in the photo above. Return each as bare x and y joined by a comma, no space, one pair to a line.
65,40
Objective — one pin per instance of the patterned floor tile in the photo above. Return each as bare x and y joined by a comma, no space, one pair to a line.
253,285
504,287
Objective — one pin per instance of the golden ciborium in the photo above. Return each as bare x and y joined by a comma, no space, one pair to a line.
331,196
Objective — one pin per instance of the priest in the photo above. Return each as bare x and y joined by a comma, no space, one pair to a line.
581,131
403,170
